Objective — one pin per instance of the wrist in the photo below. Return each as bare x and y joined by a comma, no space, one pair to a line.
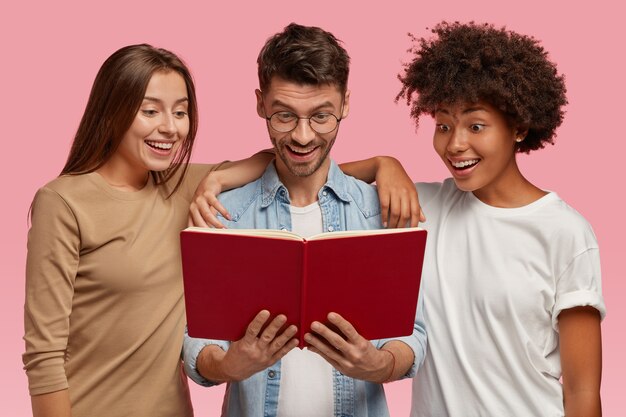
390,366
210,364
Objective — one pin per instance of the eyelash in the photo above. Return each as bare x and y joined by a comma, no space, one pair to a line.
150,113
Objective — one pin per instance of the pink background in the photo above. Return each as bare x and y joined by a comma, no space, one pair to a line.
52,51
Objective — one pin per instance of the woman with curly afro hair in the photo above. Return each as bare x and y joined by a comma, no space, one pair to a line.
511,283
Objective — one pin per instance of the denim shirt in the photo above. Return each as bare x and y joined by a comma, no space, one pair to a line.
346,204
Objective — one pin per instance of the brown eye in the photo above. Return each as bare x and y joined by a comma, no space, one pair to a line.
476,128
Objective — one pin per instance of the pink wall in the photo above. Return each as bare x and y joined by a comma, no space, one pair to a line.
51,52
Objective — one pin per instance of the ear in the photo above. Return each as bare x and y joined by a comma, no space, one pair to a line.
346,105
521,133
260,109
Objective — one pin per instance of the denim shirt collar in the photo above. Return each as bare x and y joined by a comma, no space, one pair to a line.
271,184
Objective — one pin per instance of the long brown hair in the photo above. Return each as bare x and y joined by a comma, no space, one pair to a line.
115,99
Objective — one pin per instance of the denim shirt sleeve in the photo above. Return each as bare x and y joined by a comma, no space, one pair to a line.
416,341
191,349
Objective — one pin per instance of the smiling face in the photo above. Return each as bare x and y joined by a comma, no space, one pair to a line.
157,132
302,151
477,144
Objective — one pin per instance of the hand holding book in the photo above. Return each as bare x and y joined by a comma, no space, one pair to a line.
348,351
262,346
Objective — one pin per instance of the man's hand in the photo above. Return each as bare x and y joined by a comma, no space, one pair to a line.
399,202
205,205
257,350
351,355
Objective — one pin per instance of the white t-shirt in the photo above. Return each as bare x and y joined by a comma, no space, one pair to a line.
494,282
306,380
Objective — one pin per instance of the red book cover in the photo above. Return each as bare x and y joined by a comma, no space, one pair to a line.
370,277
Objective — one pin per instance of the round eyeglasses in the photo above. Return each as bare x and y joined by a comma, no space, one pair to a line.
285,121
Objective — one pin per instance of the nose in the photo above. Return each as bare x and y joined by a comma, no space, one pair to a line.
303,133
168,124
457,141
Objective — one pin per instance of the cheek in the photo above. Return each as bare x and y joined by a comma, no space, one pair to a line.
439,146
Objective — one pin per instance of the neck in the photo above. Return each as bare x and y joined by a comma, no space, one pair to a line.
511,190
123,179
303,190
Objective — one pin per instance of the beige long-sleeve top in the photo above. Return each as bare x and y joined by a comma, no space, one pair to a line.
104,311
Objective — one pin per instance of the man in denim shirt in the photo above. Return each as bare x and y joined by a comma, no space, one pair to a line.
303,73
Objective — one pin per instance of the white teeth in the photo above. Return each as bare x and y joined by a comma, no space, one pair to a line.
464,164
161,145
301,151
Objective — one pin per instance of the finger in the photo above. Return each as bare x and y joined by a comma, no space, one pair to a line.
212,219
255,326
285,349
189,221
345,327
196,217
383,197
217,205
271,330
334,339
323,348
282,339
331,361
416,214
405,211
394,211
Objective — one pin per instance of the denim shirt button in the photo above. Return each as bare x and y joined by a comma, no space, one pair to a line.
271,374
331,229
324,193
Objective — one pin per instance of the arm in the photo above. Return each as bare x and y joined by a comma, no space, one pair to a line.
256,351
581,361
52,262
223,177
54,404
398,198
356,357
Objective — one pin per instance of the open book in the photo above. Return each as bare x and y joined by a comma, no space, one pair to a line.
370,277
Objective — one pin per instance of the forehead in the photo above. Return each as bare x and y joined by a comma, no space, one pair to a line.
461,109
303,97
166,85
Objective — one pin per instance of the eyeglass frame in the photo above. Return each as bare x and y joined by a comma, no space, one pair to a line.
339,119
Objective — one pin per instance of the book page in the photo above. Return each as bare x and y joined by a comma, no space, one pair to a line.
352,233
268,233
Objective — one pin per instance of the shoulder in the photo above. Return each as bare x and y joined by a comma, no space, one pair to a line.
240,200
437,192
566,227
363,195
67,188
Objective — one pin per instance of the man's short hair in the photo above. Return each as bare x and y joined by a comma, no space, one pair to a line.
304,55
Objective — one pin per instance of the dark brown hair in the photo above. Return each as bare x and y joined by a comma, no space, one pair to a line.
305,55
473,62
115,99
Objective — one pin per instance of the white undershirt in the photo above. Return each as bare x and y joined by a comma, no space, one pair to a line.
306,382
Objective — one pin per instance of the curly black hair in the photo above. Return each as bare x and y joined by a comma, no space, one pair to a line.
467,63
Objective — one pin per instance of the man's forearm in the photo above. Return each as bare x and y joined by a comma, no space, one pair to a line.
208,364
403,358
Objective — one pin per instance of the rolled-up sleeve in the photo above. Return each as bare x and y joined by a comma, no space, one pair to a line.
191,350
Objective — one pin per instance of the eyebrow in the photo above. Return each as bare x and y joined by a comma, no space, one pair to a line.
180,100
466,111
313,110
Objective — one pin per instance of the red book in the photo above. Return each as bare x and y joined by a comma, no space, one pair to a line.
370,277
